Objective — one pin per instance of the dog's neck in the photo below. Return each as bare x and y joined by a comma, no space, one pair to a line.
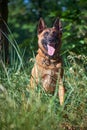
48,60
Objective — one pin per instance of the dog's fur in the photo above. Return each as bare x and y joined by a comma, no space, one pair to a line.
48,68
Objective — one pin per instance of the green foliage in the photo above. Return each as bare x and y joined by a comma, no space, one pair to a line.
23,22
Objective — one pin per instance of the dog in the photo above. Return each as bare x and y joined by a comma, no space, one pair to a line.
48,68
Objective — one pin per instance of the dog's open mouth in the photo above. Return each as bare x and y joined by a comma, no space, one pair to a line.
51,50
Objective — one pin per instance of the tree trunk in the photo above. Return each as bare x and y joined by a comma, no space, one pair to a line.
4,45
40,8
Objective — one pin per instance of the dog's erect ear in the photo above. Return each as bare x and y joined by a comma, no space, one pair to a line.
58,25
41,26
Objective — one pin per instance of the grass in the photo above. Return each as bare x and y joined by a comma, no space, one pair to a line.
21,109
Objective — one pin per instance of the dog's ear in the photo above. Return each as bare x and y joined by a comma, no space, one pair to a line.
41,25
58,25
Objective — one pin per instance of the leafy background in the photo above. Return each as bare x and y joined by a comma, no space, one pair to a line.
24,16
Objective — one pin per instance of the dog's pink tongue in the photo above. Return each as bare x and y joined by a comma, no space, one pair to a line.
51,50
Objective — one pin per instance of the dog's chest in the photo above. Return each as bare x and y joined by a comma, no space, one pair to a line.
47,74
49,78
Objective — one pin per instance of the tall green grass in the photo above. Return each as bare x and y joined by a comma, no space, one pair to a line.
26,110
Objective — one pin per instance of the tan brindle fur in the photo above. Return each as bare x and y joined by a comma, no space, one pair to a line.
48,71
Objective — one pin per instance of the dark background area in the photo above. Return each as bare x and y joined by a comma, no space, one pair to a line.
24,16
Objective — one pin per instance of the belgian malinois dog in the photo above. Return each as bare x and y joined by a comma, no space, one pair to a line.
48,68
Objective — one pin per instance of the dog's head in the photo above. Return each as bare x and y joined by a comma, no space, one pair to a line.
49,39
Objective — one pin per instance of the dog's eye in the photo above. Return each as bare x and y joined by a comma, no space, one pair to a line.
46,33
54,34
